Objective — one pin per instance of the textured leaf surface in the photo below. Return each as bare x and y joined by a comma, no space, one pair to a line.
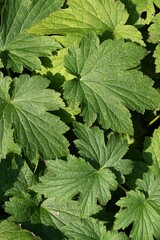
154,32
20,49
152,152
81,17
105,82
91,229
35,129
65,179
60,213
9,230
142,208
92,146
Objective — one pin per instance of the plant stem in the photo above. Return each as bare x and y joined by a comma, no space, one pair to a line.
124,189
154,120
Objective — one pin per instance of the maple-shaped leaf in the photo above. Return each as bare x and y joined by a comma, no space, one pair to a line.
92,146
90,229
36,130
154,37
106,82
18,48
142,209
82,16
9,230
141,12
151,153
65,179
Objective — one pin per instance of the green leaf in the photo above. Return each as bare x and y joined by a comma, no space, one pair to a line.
18,48
21,204
81,17
154,37
151,153
106,82
141,12
60,213
9,230
142,208
35,129
65,179
92,146
89,229
55,65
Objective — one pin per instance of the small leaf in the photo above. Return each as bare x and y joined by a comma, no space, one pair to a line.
142,208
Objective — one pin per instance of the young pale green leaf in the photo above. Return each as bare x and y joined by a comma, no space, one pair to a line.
36,130
65,179
151,153
18,48
92,146
142,208
106,82
90,229
81,17
9,230
141,12
154,33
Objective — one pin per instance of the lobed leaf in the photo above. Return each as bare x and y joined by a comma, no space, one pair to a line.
35,129
106,82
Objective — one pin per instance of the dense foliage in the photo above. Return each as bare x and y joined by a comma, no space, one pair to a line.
79,119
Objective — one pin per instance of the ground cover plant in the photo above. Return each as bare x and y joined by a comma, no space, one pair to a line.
79,119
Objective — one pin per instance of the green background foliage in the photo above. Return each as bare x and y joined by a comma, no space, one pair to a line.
79,119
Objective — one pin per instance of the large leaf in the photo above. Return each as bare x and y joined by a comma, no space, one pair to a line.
142,208
91,229
92,147
101,16
65,179
106,83
18,48
9,230
35,129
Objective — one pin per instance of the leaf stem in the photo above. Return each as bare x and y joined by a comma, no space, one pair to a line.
124,189
154,120
9,74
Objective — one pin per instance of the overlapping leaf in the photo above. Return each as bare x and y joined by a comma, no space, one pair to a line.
81,17
91,229
92,146
106,82
142,208
141,12
9,230
65,179
152,152
36,130
18,48
154,34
